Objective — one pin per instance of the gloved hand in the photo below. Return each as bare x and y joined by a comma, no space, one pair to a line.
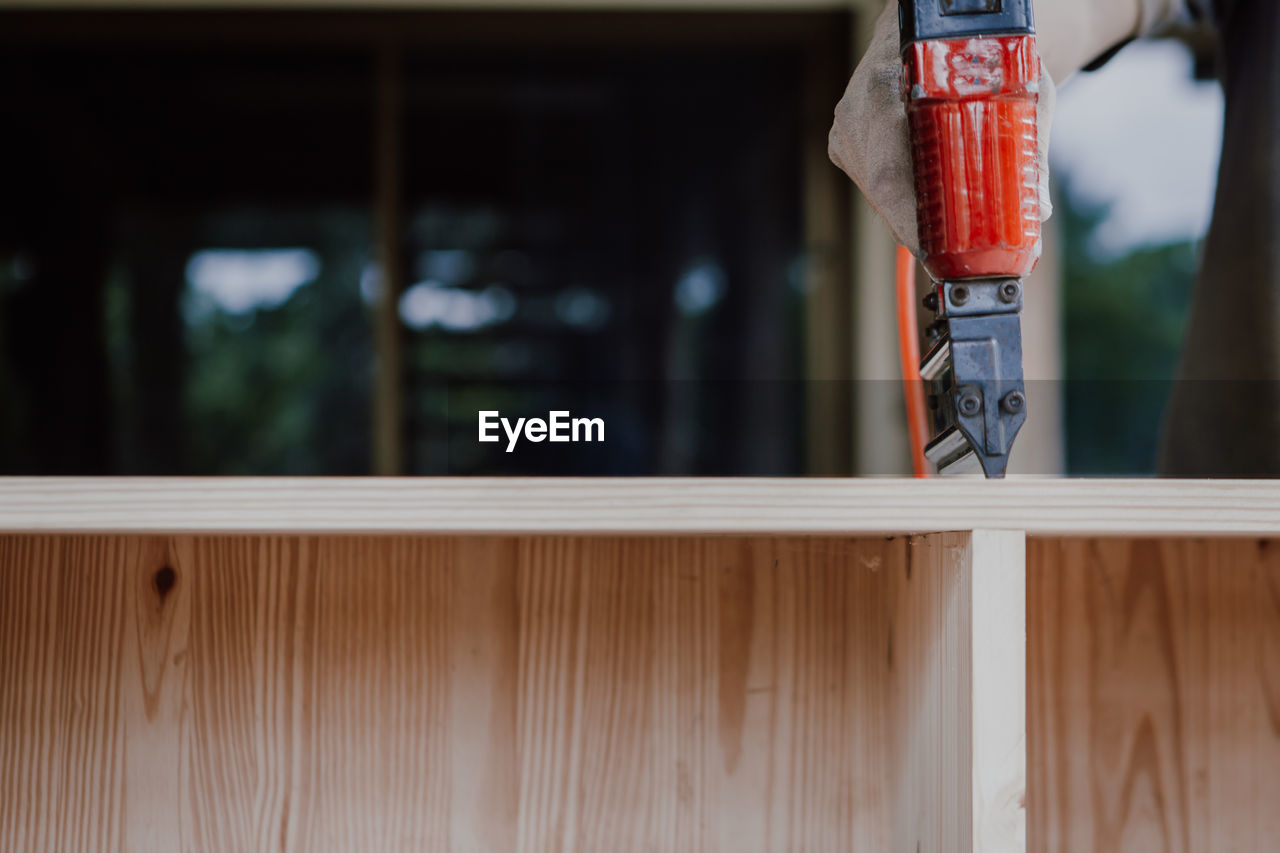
869,139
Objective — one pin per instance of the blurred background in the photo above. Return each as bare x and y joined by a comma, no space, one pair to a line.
318,240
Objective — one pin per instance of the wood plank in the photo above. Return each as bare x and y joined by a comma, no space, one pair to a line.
420,693
637,506
957,640
389,428
828,306
1154,695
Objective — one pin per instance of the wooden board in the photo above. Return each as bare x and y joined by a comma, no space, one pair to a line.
957,642
751,507
1154,695
464,694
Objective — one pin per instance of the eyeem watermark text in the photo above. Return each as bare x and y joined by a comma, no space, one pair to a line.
558,427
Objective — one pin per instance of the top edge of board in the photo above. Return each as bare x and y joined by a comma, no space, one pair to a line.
701,506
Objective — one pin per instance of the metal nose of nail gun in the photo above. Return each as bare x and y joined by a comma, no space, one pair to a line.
973,374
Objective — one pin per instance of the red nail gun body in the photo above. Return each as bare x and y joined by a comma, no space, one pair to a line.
972,79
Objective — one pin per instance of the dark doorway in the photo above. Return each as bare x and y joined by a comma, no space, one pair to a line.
596,213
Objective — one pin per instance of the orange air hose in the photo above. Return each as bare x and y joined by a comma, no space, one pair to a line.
909,352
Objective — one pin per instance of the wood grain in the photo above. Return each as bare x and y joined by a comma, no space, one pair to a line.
435,693
957,629
748,507
1154,695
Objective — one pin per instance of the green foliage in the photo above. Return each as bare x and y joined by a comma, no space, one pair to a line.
1124,323
284,390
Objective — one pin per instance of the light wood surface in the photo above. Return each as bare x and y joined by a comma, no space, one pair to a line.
998,690
430,693
640,505
469,693
957,641
1154,695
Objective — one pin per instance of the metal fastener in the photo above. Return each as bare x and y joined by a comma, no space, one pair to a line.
959,294
1009,291
968,403
931,301
1013,402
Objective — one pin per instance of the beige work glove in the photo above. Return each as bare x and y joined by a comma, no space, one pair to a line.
869,138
